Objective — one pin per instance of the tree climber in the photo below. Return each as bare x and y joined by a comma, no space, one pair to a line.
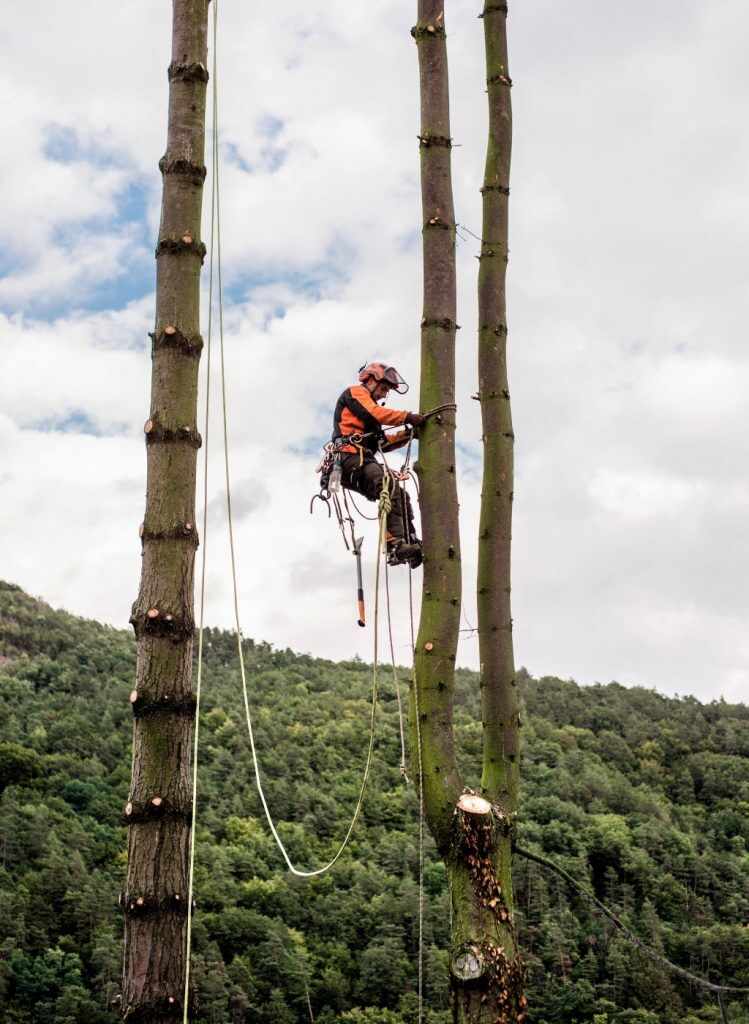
358,416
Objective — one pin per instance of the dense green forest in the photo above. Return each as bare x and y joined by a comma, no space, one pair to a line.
644,799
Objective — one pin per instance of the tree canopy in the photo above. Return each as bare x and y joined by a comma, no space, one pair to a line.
645,799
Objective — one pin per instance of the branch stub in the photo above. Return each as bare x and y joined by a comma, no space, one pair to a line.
472,803
468,964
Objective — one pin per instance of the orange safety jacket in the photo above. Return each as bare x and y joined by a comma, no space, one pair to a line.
356,412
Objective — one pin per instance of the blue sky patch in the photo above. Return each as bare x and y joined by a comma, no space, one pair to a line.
76,421
133,278
63,145
309,447
270,154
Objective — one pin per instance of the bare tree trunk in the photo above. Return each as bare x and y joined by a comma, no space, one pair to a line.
441,592
500,778
158,812
471,833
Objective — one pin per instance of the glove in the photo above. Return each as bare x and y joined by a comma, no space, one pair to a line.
396,440
415,419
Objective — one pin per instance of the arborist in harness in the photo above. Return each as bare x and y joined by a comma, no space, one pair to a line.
358,433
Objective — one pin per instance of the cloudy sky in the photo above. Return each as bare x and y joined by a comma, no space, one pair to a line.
627,310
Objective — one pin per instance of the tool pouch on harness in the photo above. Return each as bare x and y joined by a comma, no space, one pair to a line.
364,444
325,466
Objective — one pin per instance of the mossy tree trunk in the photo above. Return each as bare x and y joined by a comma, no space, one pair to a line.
441,593
471,832
159,809
500,778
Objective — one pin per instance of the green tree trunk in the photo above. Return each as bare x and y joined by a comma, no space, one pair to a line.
471,834
441,591
159,809
500,778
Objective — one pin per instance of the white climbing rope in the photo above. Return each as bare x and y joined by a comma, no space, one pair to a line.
216,227
417,716
215,289
204,545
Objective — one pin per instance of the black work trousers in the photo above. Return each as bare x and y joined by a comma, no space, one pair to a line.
367,479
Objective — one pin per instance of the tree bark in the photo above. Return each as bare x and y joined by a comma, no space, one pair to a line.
472,834
159,809
500,777
434,660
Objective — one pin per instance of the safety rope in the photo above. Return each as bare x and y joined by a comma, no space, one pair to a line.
400,482
396,482
441,408
601,908
420,773
389,480
215,266
216,229
396,681
362,515
420,776
204,533
385,508
248,714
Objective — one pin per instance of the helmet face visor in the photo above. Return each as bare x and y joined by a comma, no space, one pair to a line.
394,379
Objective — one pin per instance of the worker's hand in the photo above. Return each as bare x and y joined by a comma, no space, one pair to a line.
397,440
415,419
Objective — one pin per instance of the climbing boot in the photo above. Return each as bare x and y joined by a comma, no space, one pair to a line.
400,552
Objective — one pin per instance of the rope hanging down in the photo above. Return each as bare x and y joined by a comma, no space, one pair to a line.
216,289
601,908
235,592
204,539
215,265
406,471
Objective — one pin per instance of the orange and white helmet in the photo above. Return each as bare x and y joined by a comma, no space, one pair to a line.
383,372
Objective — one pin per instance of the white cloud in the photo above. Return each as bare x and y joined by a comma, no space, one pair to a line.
642,495
627,313
80,363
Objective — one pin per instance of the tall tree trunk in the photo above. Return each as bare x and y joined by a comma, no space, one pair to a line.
500,715
158,812
441,591
471,834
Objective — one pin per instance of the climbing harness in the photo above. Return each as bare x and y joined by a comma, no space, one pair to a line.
335,498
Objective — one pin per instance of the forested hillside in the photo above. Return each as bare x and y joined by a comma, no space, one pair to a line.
644,799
